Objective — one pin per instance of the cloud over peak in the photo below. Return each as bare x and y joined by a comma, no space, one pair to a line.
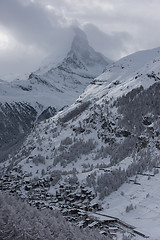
32,29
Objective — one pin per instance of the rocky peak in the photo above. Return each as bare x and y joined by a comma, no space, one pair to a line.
83,57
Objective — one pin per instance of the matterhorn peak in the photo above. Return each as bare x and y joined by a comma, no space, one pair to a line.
80,42
80,58
84,57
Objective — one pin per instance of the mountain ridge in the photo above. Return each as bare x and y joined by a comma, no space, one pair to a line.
104,95
52,87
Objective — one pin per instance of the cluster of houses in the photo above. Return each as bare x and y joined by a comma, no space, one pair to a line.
37,193
75,202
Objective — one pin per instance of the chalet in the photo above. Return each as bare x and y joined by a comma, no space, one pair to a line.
58,194
83,197
88,221
101,169
46,184
61,188
13,190
107,220
82,224
113,235
47,195
74,187
53,201
67,191
84,191
51,207
82,215
71,200
84,208
89,192
108,170
90,197
42,208
78,205
68,187
113,229
82,186
74,211
93,224
65,212
77,197
5,180
71,195
19,177
86,201
103,232
23,198
95,207
27,188
37,203
27,182
35,185
5,187
60,198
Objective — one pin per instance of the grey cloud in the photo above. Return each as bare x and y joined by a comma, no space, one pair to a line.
24,21
30,23
33,27
114,27
112,46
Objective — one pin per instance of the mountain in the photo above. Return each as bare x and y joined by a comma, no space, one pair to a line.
51,88
109,136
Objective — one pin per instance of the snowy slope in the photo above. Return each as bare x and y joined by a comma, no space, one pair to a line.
97,114
49,89
138,69
144,198
59,82
108,136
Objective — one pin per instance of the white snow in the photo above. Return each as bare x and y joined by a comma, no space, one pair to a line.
139,69
145,200
126,74
59,81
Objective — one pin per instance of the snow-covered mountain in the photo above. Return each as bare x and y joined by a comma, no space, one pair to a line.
102,113
55,85
110,134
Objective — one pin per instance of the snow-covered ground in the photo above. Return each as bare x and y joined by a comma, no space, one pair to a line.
145,199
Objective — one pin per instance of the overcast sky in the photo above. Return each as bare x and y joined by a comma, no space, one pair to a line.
30,30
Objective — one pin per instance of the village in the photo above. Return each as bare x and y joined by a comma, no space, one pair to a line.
74,202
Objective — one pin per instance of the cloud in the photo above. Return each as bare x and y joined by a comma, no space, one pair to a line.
33,32
113,45
33,29
31,23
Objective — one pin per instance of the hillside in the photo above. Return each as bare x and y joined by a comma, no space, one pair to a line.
55,85
109,135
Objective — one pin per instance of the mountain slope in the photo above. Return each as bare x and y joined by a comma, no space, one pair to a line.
107,137
48,90
110,121
105,140
109,113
